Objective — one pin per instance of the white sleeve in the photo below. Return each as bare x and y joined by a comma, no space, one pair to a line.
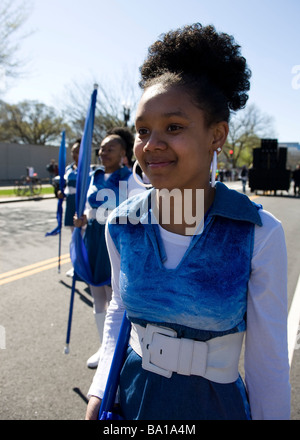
266,349
112,324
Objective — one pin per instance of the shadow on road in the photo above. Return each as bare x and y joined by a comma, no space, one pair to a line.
83,298
80,394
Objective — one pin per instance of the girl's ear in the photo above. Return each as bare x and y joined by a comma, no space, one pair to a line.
220,133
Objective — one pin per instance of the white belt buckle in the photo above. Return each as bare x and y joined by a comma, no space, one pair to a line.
148,336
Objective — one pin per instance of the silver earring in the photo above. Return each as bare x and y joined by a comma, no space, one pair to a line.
145,185
213,169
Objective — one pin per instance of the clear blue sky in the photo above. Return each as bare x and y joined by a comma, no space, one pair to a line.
75,40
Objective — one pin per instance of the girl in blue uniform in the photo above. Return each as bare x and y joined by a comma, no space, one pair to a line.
192,297
113,149
70,191
70,188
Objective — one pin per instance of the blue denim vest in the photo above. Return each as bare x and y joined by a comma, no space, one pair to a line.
208,289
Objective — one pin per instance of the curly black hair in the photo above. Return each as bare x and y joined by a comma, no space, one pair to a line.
208,64
127,138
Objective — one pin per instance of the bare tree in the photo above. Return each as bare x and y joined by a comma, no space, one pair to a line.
245,131
111,101
13,15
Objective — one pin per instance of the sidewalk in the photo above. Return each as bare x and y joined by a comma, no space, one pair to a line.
25,198
237,185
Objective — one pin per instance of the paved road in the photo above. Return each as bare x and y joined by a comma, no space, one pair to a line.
38,381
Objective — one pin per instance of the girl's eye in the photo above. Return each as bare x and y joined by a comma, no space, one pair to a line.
142,131
174,127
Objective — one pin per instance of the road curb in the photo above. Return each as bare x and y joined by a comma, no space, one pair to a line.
27,199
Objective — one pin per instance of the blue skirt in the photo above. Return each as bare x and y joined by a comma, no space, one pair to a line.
94,240
148,396
70,210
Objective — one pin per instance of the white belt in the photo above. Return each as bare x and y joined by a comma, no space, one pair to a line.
70,190
163,353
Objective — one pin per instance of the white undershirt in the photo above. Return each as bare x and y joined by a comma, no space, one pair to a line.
266,353
175,246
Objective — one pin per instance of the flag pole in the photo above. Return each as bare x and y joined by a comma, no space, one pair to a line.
81,191
67,350
61,171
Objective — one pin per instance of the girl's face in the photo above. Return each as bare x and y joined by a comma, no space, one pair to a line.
75,153
111,153
173,144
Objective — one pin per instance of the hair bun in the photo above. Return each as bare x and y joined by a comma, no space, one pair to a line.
201,51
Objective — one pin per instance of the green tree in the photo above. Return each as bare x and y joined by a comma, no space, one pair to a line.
31,122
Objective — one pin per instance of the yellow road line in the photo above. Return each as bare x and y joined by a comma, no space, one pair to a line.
39,267
34,268
31,266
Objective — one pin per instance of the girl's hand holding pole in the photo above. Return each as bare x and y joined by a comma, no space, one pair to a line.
79,222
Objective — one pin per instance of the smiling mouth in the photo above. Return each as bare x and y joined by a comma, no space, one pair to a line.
159,164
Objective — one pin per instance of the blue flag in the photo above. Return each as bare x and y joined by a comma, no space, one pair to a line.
78,250
61,170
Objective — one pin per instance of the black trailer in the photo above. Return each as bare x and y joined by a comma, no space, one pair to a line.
269,171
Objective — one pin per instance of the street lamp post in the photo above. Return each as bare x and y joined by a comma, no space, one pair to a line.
126,112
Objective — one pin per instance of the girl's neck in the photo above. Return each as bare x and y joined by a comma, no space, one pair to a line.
181,212
111,170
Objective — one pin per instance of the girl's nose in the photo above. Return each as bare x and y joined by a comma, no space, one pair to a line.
155,142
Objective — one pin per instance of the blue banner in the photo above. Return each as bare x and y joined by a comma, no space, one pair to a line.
78,251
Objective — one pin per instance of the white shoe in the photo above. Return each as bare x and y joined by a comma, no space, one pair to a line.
93,361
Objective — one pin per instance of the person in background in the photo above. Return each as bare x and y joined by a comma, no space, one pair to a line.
52,168
70,186
244,178
113,149
70,191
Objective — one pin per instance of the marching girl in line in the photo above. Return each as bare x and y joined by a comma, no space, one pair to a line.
113,149
70,188
193,299
70,191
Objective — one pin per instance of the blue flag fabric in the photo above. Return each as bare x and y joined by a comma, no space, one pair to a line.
78,252
61,170
84,161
